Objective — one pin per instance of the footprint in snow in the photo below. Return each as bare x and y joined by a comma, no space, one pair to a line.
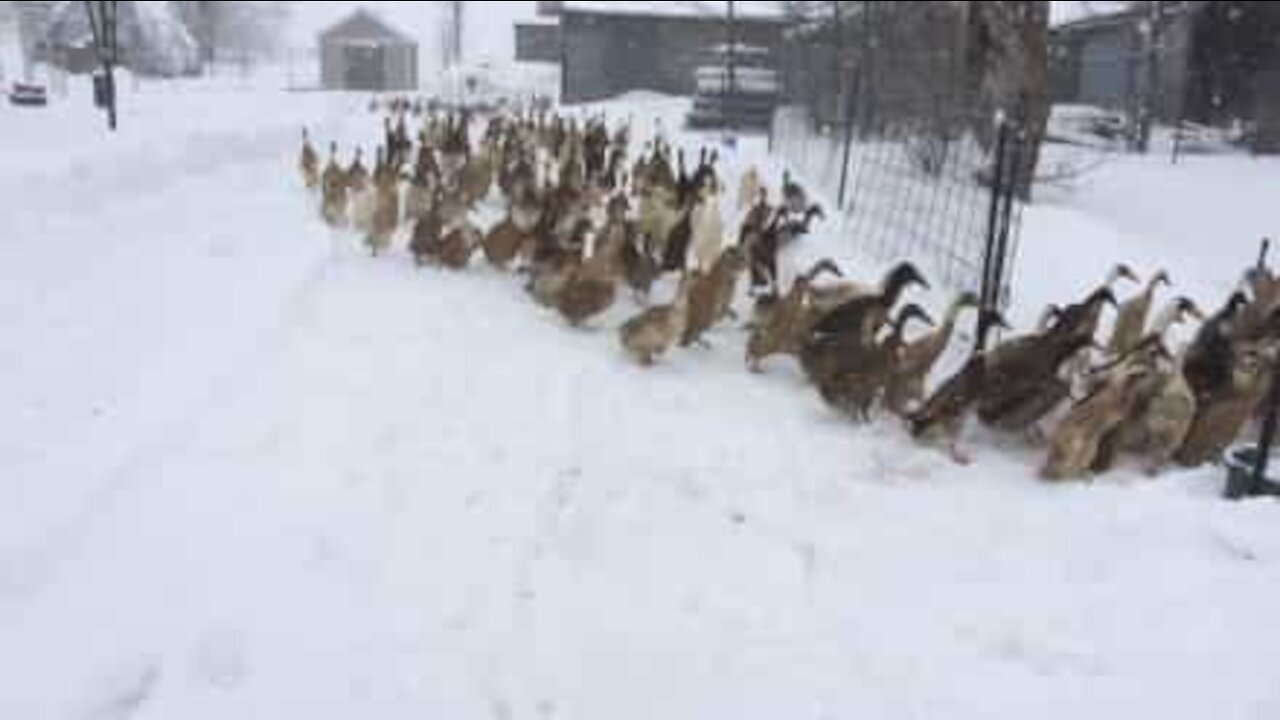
121,694
220,660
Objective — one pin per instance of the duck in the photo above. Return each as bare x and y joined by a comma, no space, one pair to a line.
386,208
333,185
458,245
554,264
706,228
357,175
658,218
851,376
1223,411
906,388
309,163
424,241
941,418
1073,446
590,289
503,242
1083,318
1024,379
760,237
711,294
780,324
361,192
1159,426
749,188
865,315
649,335
1131,317
676,253
830,296
476,178
1209,358
1264,288
794,198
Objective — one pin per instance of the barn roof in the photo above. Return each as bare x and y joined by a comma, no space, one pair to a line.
363,26
759,10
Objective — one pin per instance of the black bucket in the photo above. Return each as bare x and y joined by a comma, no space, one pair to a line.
1240,461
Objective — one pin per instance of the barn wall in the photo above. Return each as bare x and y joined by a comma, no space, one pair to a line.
399,71
332,67
402,68
605,55
537,43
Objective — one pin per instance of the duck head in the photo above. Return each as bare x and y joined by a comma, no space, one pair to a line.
968,300
909,312
1121,272
1187,309
824,265
904,276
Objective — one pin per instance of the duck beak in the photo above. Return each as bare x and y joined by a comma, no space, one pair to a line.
1127,273
924,317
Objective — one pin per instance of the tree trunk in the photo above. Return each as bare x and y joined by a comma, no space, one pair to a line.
1009,47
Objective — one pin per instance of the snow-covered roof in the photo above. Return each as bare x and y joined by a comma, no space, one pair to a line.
761,10
363,26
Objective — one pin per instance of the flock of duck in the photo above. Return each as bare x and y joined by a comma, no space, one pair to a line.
585,222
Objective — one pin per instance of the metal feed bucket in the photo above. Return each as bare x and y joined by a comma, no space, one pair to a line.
1241,462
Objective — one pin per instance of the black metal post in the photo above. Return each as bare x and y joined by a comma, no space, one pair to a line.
990,291
1012,178
105,28
846,106
1268,437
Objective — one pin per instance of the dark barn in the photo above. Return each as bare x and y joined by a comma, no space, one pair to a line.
364,53
609,48
538,42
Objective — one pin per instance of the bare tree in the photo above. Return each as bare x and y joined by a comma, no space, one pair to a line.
1009,52
234,30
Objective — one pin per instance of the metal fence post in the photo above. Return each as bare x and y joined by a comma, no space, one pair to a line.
1268,436
1012,177
990,285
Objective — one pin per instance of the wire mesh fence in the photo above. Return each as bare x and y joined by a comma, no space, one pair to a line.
903,192
885,117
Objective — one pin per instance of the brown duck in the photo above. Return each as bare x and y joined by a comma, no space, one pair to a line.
906,387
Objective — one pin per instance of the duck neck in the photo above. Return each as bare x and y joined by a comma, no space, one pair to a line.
1165,321
948,326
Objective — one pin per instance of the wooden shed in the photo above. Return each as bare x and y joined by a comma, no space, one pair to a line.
364,53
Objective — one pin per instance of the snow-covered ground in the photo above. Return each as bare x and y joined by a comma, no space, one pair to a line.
247,471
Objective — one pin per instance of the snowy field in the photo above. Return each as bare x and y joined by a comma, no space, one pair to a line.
249,472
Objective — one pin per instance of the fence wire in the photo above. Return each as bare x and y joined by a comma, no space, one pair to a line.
908,194
883,115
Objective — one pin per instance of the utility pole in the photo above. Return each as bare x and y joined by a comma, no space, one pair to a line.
1151,95
103,21
453,42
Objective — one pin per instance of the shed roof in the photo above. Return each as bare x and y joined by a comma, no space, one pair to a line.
758,10
363,26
